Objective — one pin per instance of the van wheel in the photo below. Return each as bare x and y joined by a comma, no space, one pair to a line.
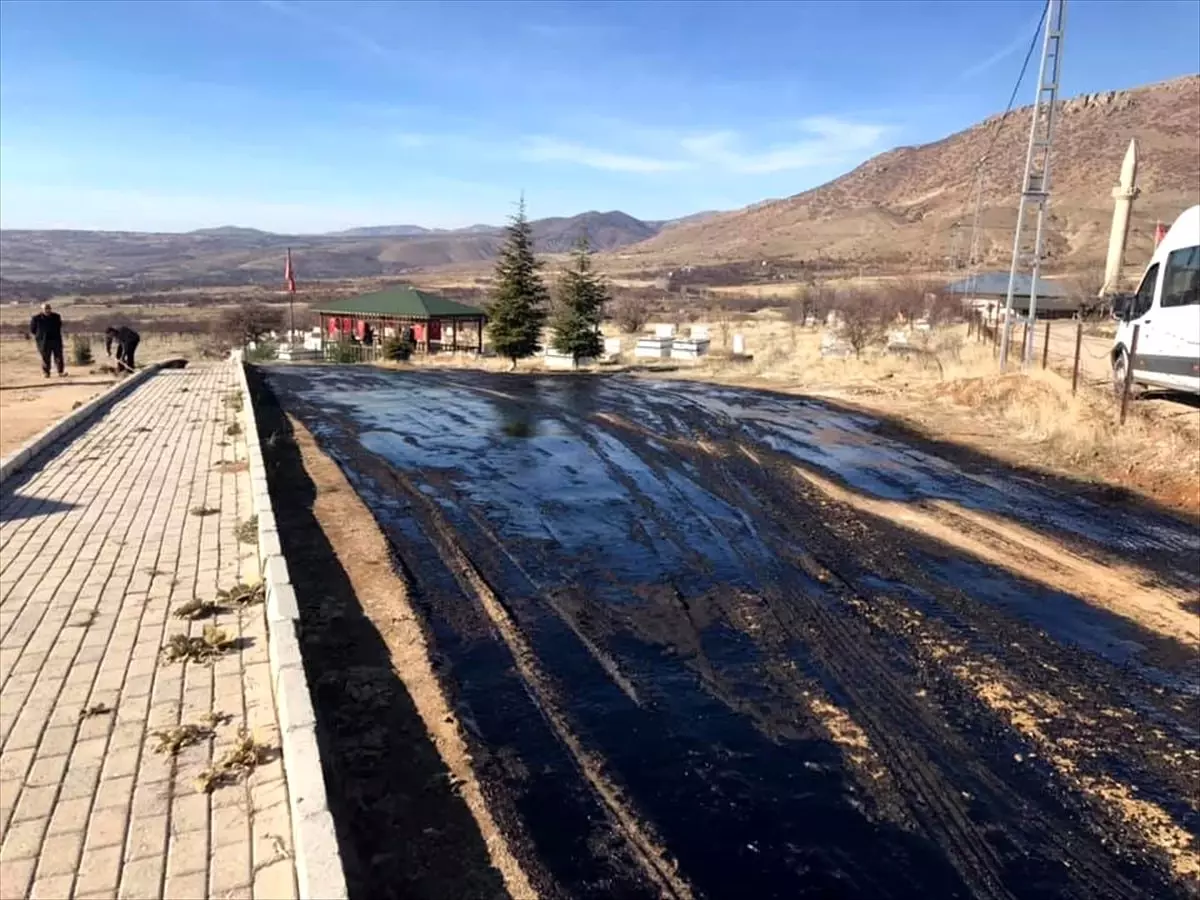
1120,366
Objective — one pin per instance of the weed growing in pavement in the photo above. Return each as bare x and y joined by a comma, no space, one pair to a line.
233,429
232,466
247,531
96,709
242,759
197,609
206,648
241,595
172,740
205,510
234,401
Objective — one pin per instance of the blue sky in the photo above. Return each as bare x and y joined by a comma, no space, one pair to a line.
313,116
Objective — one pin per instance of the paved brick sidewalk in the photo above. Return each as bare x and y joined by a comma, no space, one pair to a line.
96,549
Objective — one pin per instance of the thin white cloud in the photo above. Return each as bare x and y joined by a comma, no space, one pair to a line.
543,149
352,36
1020,42
410,141
828,141
106,209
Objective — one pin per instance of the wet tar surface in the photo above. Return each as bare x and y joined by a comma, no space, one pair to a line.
684,670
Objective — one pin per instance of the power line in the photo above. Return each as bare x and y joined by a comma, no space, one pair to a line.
972,253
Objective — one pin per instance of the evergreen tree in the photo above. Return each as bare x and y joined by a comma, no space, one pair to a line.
580,307
518,308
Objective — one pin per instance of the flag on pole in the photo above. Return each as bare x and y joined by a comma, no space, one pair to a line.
1160,232
288,274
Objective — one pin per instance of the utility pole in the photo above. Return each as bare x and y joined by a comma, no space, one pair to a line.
1035,185
973,252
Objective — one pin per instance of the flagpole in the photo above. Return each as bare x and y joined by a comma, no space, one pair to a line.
291,284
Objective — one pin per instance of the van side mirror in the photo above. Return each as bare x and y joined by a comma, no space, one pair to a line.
1122,307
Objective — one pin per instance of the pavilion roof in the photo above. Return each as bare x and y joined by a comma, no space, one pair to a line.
406,302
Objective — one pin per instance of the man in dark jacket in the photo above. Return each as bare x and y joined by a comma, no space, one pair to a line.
46,328
126,340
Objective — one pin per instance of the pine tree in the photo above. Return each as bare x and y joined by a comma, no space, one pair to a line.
580,307
518,308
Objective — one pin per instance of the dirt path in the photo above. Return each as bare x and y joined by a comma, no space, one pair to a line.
712,642
27,411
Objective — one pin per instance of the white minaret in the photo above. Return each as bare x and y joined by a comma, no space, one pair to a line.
1123,197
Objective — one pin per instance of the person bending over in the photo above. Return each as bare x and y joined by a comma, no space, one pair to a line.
126,340
46,328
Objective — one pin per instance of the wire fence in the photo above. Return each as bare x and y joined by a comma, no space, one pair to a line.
1064,347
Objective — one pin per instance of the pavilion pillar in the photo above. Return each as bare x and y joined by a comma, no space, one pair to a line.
479,327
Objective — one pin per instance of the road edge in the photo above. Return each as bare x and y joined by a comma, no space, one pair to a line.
319,871
18,459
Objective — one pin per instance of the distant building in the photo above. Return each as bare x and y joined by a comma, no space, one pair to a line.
988,291
435,323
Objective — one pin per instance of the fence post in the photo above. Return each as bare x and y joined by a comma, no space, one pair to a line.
1046,346
1129,372
1025,354
1078,347
996,336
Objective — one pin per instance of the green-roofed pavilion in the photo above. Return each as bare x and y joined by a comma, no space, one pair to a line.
435,322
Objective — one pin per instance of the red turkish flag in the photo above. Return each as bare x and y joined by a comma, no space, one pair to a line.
288,274
1160,232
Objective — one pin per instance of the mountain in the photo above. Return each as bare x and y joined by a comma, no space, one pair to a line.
101,261
910,206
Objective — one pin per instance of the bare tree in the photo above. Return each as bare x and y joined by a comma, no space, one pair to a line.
943,307
863,318
631,313
243,324
906,298
1085,290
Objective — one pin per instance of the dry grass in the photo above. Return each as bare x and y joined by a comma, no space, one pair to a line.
202,511
96,709
172,740
241,595
197,609
247,531
238,762
206,648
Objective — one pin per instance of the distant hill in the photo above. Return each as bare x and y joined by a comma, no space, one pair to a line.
903,207
121,261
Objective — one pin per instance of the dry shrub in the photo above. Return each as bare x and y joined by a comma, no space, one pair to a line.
863,318
630,313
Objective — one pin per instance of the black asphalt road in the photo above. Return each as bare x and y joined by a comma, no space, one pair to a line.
684,670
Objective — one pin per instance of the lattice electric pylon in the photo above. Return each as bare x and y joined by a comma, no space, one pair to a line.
1035,186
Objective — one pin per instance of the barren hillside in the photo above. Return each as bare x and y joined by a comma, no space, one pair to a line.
107,260
901,208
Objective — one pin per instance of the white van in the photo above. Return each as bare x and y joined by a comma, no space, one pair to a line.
1166,308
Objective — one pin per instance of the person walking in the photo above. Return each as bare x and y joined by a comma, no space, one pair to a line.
126,340
46,328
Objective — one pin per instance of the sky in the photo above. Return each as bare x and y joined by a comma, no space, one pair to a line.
305,117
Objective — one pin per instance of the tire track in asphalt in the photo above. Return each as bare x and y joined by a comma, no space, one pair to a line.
650,853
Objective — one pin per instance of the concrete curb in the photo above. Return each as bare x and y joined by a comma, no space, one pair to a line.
18,459
319,872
